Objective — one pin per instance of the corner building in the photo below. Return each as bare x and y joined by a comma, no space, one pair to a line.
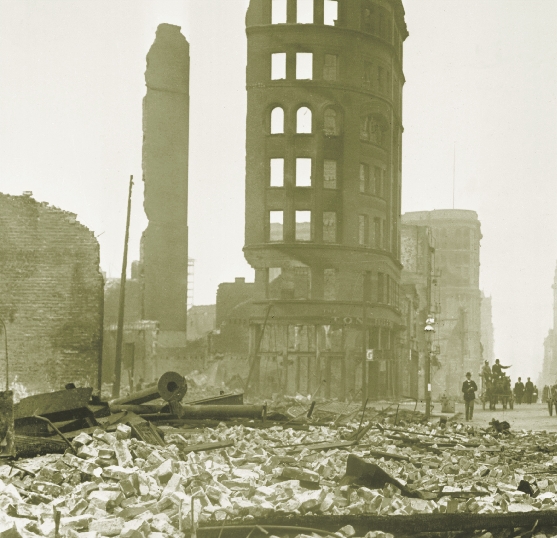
323,187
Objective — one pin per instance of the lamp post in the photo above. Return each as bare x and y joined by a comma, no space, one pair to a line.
6,351
429,330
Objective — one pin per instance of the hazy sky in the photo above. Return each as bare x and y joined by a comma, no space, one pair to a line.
481,73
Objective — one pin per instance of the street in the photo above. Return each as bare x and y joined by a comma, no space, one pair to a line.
522,417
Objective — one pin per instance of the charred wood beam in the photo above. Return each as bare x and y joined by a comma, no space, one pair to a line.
394,524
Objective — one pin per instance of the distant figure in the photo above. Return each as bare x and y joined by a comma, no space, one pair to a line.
519,390
70,386
139,385
497,368
486,373
469,389
529,391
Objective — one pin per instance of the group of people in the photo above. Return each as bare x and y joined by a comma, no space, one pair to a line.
495,377
526,392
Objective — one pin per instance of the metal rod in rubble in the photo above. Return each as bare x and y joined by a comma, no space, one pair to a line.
120,331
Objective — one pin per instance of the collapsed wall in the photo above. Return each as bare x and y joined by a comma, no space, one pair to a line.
51,296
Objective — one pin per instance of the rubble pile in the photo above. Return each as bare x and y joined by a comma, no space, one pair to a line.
115,485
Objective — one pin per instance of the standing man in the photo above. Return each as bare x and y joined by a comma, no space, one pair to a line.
486,374
519,390
529,391
469,389
497,369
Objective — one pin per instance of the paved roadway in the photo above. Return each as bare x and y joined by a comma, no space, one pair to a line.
522,417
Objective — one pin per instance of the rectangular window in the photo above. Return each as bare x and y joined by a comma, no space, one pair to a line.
295,283
303,172
304,66
380,287
329,227
364,177
330,285
277,173
377,233
278,12
278,66
330,67
276,232
380,78
303,226
363,230
329,174
304,11
274,283
368,75
367,286
378,180
331,12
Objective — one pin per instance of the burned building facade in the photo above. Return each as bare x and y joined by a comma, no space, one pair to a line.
51,296
456,296
323,185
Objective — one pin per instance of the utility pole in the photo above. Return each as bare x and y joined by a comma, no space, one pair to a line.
120,330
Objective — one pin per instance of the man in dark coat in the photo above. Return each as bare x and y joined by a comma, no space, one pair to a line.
498,368
469,389
519,390
529,391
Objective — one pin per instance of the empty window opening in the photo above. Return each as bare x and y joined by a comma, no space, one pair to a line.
277,173
303,226
329,227
277,120
372,131
304,65
278,11
377,232
304,11
330,67
330,285
303,172
331,123
276,226
364,177
363,230
329,174
330,12
378,176
274,283
368,75
303,120
380,287
278,66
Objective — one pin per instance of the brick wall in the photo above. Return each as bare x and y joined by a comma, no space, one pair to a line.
51,296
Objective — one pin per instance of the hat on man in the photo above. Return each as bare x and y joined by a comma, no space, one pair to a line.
468,374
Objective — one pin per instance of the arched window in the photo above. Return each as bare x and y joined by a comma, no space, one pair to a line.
277,120
303,120
331,122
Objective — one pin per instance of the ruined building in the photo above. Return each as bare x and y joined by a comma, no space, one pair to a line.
51,296
323,184
418,290
487,334
156,296
456,296
164,249
549,371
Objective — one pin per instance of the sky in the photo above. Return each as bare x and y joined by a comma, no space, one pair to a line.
481,82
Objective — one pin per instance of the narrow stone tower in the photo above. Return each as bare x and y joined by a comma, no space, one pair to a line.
164,251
